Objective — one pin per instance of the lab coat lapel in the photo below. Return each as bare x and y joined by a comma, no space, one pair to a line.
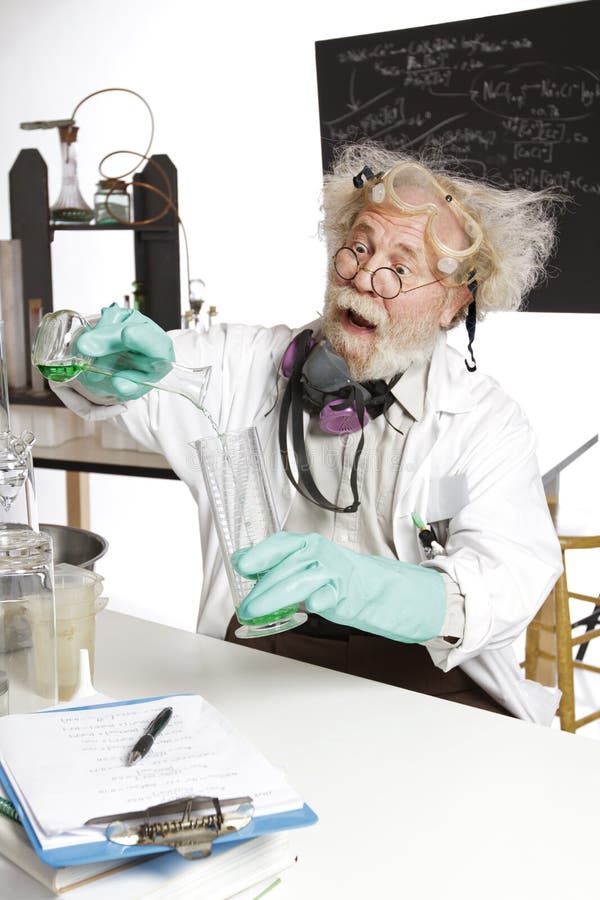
412,484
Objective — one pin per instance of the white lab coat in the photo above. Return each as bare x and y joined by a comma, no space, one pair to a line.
469,462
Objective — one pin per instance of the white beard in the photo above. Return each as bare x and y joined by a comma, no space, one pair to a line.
393,347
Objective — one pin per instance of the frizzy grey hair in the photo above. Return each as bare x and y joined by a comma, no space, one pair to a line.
519,226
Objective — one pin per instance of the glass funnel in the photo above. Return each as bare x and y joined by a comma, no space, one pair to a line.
15,467
70,207
55,354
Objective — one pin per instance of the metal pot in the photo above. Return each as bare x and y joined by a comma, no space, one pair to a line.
75,545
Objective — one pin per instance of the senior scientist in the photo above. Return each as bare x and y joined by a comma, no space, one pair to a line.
369,424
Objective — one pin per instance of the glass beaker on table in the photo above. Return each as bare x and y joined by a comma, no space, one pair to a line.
27,618
244,513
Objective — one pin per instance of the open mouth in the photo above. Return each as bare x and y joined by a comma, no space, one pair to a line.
359,321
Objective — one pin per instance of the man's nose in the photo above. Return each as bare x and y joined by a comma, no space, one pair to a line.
362,280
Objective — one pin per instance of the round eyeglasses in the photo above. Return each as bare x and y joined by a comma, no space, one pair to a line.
385,281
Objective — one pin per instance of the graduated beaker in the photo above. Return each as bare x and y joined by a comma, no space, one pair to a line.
244,513
55,354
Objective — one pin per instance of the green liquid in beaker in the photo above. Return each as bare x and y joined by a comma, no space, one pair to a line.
276,616
60,372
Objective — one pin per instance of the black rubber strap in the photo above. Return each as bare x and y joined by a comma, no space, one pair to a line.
307,485
303,342
293,401
471,321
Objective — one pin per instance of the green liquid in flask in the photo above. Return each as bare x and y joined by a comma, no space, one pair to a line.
61,372
279,614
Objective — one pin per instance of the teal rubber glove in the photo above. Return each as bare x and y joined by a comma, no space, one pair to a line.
397,600
124,331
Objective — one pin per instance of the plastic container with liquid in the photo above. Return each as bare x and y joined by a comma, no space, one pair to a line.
27,618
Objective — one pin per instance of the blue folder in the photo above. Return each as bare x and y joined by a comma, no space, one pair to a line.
78,854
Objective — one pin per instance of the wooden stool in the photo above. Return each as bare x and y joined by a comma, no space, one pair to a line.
549,638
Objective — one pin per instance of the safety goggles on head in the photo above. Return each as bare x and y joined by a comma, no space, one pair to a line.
452,235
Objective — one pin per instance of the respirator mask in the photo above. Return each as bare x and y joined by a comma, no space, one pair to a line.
319,382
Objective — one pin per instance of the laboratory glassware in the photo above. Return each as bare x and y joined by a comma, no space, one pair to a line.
70,207
27,618
55,355
197,296
139,297
77,600
111,202
244,513
17,488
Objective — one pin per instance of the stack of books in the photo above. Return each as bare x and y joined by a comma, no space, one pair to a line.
253,863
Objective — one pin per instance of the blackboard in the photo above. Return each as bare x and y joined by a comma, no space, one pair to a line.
514,99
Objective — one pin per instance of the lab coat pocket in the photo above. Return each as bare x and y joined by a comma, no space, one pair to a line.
447,496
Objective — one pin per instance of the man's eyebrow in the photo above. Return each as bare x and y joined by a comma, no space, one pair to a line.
406,249
362,226
409,251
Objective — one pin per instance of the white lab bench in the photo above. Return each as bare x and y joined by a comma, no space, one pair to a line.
417,797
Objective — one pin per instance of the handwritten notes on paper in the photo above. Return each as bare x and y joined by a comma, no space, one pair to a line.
70,765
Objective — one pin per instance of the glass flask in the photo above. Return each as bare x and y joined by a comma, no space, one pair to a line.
111,202
27,618
70,208
139,297
55,355
197,296
244,513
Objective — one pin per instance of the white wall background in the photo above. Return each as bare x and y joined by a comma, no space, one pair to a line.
233,89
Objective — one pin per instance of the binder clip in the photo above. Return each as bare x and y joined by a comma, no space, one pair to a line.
201,821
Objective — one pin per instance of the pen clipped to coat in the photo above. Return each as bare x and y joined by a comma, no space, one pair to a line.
428,538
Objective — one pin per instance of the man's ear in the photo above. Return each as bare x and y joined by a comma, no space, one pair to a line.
458,297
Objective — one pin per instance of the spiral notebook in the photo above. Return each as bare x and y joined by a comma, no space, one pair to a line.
64,767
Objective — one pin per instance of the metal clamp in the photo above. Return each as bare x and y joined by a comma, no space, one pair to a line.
202,820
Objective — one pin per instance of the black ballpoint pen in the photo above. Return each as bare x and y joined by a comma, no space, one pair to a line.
147,739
